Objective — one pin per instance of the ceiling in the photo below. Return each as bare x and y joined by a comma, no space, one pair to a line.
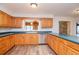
24,9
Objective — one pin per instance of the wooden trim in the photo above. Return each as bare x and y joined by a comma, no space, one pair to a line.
9,49
52,49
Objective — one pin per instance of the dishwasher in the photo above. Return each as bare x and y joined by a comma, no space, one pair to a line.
42,39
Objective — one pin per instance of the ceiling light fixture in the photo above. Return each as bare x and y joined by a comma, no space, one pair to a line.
33,5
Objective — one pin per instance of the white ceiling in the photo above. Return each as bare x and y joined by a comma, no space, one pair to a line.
48,9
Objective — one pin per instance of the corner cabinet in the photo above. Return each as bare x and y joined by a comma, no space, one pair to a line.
62,46
47,22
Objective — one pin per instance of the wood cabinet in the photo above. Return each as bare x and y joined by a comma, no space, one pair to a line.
18,39
71,51
6,21
10,21
48,37
71,44
2,20
6,43
47,22
17,22
26,39
61,46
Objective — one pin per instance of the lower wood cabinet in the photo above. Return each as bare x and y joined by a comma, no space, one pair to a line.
6,43
26,39
61,46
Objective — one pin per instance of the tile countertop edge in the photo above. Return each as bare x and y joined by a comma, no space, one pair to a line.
61,36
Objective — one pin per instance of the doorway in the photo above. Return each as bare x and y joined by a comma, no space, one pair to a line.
64,27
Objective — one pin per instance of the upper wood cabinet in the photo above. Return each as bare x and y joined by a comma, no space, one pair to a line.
47,22
17,22
5,20
1,18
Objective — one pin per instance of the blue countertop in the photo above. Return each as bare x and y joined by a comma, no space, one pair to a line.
23,32
74,39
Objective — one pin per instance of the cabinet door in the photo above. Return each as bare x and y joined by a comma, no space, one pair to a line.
5,19
55,43
62,50
1,46
72,45
34,39
18,39
31,38
47,22
9,21
27,38
1,18
48,39
5,44
11,39
71,51
18,22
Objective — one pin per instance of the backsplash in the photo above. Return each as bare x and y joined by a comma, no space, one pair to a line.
4,30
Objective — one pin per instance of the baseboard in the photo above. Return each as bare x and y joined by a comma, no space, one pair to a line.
42,44
32,44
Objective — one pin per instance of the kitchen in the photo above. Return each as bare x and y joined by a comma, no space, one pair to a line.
37,29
